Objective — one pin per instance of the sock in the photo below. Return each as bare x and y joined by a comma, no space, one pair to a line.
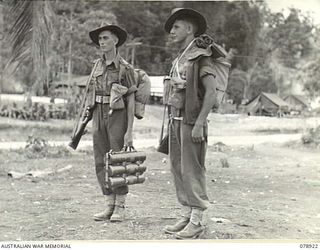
120,200
186,212
196,216
110,199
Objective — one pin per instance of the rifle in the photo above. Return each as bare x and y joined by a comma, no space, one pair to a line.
75,139
164,141
86,115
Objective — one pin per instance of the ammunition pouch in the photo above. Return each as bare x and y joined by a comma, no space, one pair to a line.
116,96
177,94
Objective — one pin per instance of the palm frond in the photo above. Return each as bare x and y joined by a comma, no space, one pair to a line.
30,35
22,14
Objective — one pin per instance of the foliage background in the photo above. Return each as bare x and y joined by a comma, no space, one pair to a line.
275,53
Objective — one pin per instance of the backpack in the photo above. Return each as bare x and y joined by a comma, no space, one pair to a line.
222,68
220,62
142,87
142,95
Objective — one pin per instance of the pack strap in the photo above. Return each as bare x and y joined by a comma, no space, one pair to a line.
124,66
131,90
175,66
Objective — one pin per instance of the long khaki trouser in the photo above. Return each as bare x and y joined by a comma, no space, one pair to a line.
187,165
108,133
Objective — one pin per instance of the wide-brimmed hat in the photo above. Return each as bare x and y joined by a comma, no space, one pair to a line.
118,31
181,13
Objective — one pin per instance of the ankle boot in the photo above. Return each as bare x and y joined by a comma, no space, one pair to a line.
119,209
181,223
172,229
191,231
106,214
194,229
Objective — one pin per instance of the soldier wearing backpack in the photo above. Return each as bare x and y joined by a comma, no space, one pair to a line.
110,100
192,88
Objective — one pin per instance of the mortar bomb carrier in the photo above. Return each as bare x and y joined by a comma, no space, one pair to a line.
125,167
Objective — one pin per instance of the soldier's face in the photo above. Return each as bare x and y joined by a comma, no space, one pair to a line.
179,31
107,41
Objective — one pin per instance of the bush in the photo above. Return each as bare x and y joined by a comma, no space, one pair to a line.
39,148
312,137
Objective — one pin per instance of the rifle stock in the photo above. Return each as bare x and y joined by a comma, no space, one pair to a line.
75,139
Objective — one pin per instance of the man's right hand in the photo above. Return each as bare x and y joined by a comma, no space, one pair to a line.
197,133
88,112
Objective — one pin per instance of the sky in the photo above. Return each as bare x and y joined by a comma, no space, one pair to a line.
312,6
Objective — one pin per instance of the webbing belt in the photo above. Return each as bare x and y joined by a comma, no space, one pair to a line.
102,99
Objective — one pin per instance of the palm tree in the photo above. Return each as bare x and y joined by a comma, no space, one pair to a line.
1,46
29,36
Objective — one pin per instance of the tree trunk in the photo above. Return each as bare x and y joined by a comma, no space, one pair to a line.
132,54
70,54
245,91
70,65
1,46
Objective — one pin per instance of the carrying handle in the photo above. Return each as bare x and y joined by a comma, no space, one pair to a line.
127,148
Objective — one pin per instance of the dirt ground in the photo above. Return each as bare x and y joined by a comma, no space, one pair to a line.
265,191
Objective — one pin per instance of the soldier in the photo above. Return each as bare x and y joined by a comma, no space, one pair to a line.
111,130
191,96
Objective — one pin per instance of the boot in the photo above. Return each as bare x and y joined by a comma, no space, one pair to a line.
191,231
119,209
185,218
172,229
194,229
106,214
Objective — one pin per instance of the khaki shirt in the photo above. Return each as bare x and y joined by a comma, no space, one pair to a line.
179,71
104,77
184,61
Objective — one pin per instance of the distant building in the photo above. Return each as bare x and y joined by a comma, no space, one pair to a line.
156,88
268,104
77,80
297,102
61,88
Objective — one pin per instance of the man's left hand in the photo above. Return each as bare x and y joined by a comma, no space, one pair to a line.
128,139
197,133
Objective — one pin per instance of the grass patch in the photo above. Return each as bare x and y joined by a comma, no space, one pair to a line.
278,131
4,126
18,130
36,148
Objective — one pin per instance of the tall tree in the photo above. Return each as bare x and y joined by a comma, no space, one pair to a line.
73,49
239,29
1,45
289,36
246,78
144,22
287,40
309,69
